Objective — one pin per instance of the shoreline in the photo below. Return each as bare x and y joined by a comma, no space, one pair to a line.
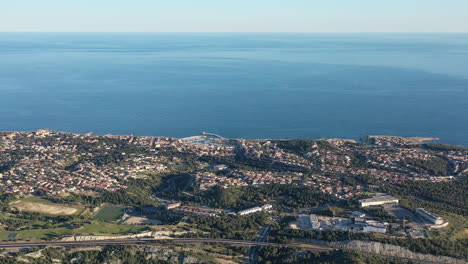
412,140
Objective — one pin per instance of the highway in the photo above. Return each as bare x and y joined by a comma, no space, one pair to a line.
318,248
252,254
308,246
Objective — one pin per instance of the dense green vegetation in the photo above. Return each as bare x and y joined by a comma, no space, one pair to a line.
435,166
110,254
131,197
437,196
254,164
138,193
244,197
134,254
231,226
443,147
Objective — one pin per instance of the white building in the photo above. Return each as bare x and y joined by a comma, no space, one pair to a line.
357,214
378,200
371,225
252,210
375,227
431,217
314,222
309,222
221,167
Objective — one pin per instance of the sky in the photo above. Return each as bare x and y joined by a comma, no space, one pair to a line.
233,15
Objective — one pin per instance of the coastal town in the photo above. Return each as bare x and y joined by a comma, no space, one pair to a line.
58,163
210,187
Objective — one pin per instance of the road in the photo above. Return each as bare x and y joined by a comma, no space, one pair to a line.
308,246
262,235
314,248
172,186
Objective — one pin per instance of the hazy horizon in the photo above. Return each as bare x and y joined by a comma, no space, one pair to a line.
242,32
260,16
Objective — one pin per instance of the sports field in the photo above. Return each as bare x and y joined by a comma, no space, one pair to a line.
110,213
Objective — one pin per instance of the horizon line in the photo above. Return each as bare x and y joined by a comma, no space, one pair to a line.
251,32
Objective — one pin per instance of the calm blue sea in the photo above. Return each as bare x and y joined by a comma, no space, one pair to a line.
237,85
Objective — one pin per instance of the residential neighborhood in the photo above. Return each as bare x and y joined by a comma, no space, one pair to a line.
58,163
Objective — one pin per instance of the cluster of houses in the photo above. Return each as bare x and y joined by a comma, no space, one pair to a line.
207,180
265,149
333,186
57,162
390,162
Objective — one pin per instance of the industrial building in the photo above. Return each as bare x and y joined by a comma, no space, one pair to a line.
309,222
429,216
357,214
377,228
378,200
315,222
371,225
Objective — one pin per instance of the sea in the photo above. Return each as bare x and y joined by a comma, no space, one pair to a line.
255,86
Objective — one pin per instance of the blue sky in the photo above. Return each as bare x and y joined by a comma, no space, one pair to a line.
234,15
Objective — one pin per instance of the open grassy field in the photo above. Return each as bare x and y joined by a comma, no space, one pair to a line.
457,228
104,228
35,233
38,205
110,213
95,227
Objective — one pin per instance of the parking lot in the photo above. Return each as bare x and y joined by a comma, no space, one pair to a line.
400,213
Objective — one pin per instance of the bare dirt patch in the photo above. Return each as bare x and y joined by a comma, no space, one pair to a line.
88,193
134,220
224,261
44,208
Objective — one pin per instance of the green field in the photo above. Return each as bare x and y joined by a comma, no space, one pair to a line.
110,213
93,228
457,228
34,199
99,227
36,233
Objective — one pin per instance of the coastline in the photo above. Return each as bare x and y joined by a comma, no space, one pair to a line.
368,139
